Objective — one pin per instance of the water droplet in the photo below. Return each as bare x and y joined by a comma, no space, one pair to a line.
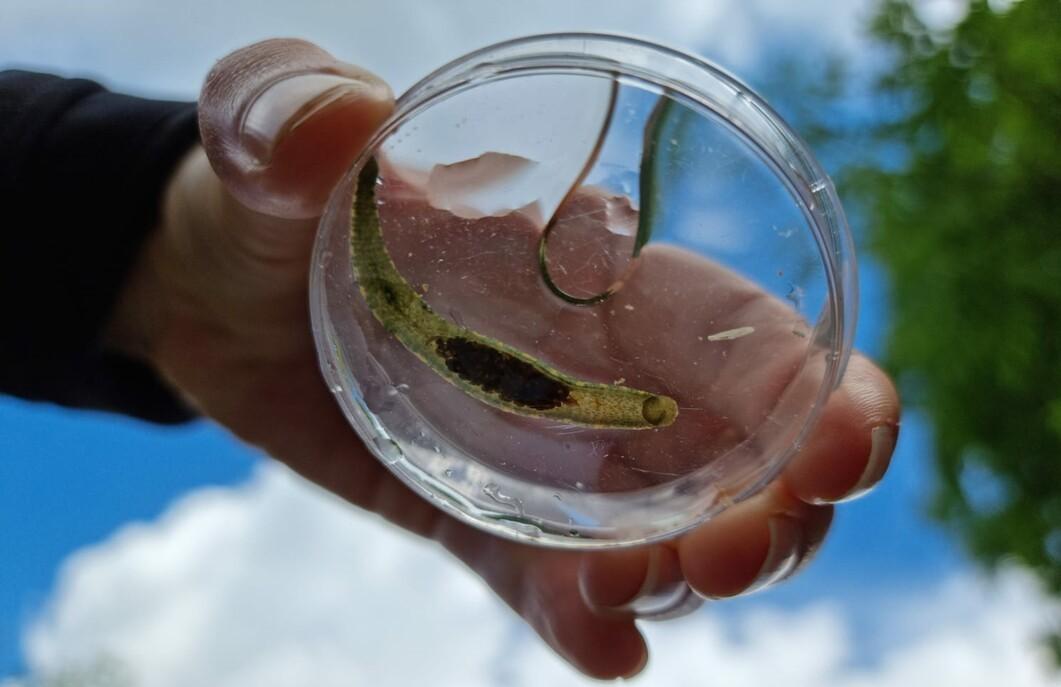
795,295
397,389
526,528
494,492
579,485
557,497
449,473
818,186
387,450
336,388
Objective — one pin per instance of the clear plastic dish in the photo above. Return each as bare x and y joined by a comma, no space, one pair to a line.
629,217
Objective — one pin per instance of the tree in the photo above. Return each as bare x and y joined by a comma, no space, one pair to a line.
964,208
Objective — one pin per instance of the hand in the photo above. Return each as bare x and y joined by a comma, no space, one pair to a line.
218,304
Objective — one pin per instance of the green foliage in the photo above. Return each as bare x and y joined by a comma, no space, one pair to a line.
965,214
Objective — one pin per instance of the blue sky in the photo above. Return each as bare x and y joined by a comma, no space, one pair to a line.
68,479
74,482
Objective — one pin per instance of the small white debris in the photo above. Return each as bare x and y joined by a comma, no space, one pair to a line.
628,307
731,334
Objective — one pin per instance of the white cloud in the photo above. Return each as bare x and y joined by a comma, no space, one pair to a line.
168,47
274,583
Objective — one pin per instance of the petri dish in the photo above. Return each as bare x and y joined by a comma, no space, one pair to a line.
581,290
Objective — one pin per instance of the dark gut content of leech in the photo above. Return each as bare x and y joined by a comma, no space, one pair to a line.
514,380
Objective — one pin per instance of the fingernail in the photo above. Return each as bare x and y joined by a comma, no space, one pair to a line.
663,593
786,549
650,586
882,444
280,107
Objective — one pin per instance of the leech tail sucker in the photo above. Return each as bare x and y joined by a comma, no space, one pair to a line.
486,369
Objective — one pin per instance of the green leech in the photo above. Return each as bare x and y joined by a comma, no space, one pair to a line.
486,369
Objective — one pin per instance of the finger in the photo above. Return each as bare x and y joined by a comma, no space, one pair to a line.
851,447
542,586
281,121
754,544
599,646
642,583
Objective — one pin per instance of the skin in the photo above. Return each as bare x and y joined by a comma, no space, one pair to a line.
217,303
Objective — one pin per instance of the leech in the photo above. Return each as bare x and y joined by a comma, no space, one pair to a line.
647,183
543,241
486,369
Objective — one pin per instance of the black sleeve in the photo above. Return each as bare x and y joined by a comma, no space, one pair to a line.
82,171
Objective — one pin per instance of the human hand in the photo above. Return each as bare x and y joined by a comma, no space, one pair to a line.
219,304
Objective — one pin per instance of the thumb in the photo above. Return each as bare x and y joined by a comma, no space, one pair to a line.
282,120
